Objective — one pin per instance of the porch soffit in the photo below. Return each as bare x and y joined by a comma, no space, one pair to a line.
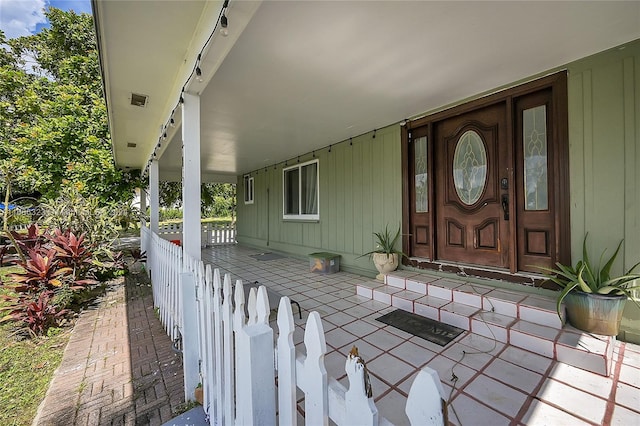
303,75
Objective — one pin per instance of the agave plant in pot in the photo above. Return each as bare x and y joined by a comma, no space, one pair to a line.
594,300
385,257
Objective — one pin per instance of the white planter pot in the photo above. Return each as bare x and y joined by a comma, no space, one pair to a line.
385,263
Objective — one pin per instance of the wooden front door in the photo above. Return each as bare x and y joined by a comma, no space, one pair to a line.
472,207
486,183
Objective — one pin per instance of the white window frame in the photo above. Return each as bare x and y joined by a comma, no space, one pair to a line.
248,188
301,216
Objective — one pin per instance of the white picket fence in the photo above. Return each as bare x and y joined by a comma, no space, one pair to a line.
230,351
164,262
213,234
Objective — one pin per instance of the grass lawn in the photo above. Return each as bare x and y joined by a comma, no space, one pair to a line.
26,368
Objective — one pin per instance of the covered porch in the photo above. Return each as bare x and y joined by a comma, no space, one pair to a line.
360,98
333,119
486,380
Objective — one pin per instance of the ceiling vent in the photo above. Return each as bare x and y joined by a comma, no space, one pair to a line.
139,100
131,145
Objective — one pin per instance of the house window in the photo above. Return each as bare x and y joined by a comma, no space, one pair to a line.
300,191
248,190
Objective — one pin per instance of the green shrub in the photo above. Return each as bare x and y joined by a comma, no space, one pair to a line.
127,216
84,216
170,214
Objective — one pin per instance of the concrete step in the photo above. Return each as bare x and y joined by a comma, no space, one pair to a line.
527,321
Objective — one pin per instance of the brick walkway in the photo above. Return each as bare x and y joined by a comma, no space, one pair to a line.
118,368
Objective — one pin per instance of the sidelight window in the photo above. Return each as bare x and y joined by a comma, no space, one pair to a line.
421,188
534,139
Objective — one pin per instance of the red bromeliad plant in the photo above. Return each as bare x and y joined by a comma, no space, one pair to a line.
38,314
55,266
32,240
45,274
74,253
42,271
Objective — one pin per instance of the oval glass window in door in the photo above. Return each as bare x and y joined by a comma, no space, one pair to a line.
470,167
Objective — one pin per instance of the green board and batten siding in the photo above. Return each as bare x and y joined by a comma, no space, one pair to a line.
360,193
360,185
604,155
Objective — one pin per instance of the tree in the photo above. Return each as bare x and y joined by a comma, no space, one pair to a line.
217,199
53,122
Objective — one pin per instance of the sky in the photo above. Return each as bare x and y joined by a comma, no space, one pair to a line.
24,17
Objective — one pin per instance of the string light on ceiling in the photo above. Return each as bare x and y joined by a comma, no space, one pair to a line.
223,24
198,70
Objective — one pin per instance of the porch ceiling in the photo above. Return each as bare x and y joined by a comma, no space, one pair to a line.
303,75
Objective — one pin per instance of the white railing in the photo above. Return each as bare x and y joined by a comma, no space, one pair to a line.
232,354
145,237
164,262
218,234
212,233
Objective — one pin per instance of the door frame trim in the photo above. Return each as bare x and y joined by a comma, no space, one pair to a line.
557,82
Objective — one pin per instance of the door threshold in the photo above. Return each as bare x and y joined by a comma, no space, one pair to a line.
479,271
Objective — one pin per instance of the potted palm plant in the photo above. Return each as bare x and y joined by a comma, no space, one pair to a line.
385,257
594,300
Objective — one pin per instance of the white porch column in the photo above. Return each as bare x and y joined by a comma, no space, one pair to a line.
154,195
143,206
191,227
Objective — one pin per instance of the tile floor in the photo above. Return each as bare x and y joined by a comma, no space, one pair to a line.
487,382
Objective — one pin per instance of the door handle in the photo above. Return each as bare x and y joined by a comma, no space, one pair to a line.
505,206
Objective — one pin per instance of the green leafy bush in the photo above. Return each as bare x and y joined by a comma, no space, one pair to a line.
84,216
127,216
170,214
